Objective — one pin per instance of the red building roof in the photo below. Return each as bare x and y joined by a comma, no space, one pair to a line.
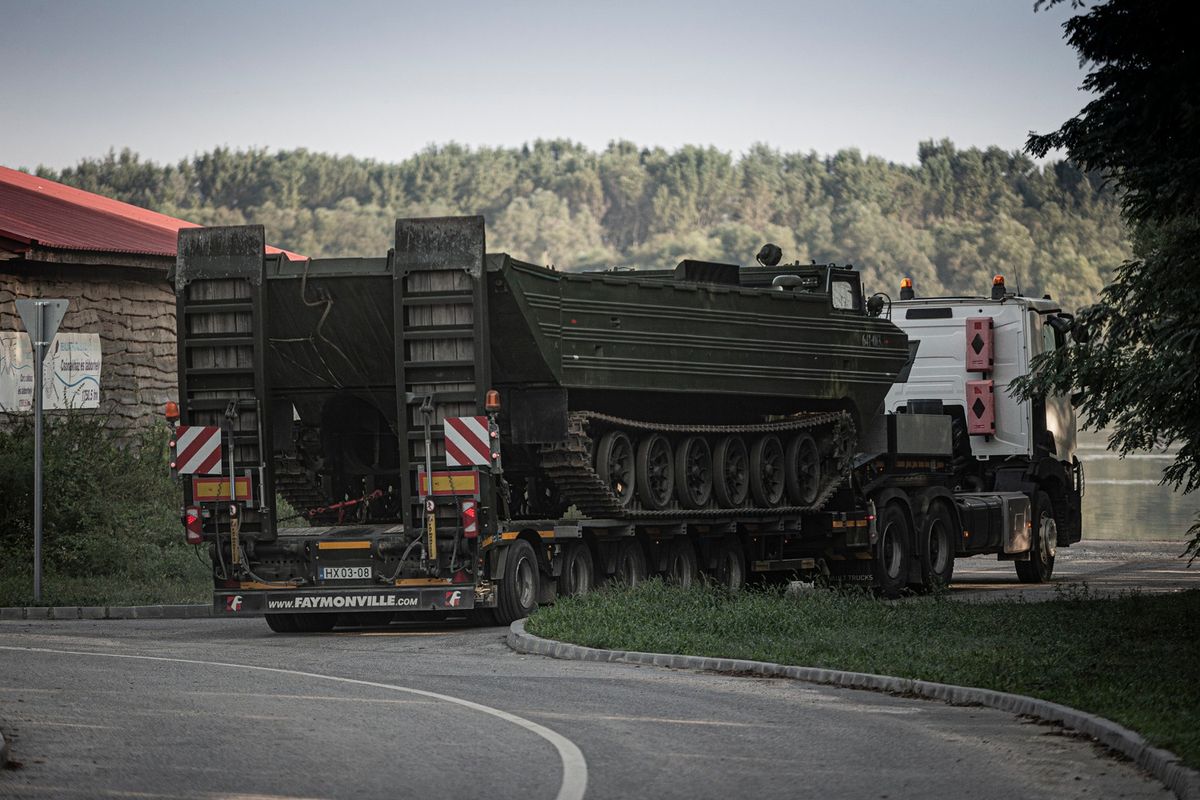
37,211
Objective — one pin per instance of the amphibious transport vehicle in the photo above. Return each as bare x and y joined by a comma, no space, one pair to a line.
456,431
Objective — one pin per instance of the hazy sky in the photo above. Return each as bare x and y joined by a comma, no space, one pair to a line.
383,79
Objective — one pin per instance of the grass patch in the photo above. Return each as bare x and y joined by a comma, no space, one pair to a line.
111,528
1133,659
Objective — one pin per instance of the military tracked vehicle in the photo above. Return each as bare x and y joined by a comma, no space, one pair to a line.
460,431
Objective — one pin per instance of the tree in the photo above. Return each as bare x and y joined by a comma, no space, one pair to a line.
1137,359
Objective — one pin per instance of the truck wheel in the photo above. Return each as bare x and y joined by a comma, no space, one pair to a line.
614,465
731,563
631,563
766,471
802,469
578,573
890,563
682,568
282,623
655,472
517,594
1040,566
731,471
315,623
938,539
693,472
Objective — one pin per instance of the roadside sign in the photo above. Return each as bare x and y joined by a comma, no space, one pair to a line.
42,318
71,372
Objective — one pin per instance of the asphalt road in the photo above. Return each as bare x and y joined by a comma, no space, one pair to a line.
1101,568
136,709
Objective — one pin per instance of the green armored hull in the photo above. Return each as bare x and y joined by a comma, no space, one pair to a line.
689,350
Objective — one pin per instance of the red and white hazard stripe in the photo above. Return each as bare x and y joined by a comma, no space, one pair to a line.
198,450
467,442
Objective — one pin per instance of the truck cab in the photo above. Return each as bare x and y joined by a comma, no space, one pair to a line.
968,353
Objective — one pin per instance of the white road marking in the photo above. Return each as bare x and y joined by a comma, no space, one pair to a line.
574,766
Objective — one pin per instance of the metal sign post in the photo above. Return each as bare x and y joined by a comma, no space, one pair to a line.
41,318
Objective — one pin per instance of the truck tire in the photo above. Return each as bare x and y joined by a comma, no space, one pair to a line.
517,594
578,572
282,623
315,623
631,563
889,564
1040,566
731,563
937,545
682,565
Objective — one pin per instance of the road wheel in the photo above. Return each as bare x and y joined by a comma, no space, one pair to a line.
766,471
315,623
1040,566
282,623
731,564
802,469
614,465
517,594
578,572
890,556
631,563
655,472
731,471
693,472
939,536
682,567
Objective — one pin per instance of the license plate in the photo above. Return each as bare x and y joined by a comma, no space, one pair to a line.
345,573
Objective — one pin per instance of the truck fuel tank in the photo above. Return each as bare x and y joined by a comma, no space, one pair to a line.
1002,518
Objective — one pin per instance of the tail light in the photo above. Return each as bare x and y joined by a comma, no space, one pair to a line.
470,519
193,526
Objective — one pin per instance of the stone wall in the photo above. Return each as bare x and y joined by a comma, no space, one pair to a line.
133,310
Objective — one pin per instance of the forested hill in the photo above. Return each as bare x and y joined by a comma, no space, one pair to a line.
950,221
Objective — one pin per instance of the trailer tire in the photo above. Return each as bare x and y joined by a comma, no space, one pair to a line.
517,594
891,552
1040,566
937,544
282,623
731,564
578,572
630,568
682,565
315,623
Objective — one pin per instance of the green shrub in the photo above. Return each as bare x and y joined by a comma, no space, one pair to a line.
111,506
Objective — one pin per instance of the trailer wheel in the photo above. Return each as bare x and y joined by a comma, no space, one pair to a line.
937,548
655,472
614,464
693,472
517,594
315,623
766,471
890,562
631,563
802,469
682,566
1040,566
731,471
578,573
731,563
282,623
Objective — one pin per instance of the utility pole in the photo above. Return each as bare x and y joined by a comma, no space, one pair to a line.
41,318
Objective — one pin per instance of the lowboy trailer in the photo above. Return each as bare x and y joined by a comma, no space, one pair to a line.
462,432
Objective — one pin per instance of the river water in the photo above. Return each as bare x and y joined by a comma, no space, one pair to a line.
1123,499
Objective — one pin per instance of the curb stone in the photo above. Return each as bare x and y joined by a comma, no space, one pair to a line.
1162,764
189,611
